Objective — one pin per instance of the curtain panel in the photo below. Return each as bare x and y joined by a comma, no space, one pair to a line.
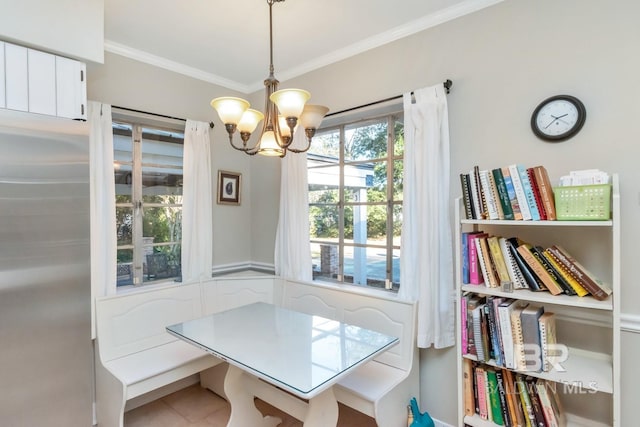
426,264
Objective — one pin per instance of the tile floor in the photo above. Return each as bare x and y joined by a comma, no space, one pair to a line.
195,406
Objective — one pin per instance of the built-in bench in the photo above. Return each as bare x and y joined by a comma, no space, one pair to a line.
383,387
135,355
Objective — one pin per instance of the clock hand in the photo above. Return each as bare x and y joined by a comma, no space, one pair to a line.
556,118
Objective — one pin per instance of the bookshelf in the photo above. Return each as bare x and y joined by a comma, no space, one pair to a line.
591,328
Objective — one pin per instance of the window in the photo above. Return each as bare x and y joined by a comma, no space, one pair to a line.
148,178
355,201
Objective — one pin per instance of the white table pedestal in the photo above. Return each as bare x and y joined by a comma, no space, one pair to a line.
243,409
241,389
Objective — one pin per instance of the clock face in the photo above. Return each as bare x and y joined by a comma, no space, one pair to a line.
558,118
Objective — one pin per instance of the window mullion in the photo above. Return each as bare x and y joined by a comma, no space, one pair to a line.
341,205
138,251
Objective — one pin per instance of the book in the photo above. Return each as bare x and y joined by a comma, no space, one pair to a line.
477,196
489,195
535,402
502,395
528,192
486,265
578,289
499,262
511,192
596,288
464,256
503,196
525,250
520,194
531,336
505,308
491,314
466,196
520,358
467,375
517,279
475,273
547,328
464,305
545,401
533,282
546,192
536,193
481,387
524,399
496,195
513,400
478,339
538,253
494,397
473,302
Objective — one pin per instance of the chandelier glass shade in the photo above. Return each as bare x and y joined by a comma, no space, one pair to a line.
284,110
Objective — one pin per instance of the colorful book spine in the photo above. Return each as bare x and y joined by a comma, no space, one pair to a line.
475,273
511,193
526,402
578,289
499,261
597,289
464,339
528,191
503,196
467,374
533,281
464,256
487,191
538,253
513,269
482,392
546,192
520,194
525,252
536,193
494,397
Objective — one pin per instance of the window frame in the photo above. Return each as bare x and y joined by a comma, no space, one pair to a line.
392,114
138,122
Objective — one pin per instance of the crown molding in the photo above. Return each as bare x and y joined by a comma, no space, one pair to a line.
410,28
160,62
397,33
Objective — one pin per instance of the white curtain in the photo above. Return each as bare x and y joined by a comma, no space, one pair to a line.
197,226
426,264
103,203
292,256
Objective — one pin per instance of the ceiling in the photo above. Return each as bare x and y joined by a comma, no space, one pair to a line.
226,42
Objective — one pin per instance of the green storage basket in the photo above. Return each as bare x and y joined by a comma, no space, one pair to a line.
583,202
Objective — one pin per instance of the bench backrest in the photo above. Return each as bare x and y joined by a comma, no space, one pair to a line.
132,322
388,315
225,293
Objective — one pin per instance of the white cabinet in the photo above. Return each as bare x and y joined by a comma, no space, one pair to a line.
42,83
589,378
71,88
16,77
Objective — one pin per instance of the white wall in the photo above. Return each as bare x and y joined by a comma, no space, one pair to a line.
70,28
503,61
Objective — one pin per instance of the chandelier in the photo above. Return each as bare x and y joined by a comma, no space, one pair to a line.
283,109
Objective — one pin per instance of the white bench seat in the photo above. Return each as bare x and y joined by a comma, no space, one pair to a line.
167,363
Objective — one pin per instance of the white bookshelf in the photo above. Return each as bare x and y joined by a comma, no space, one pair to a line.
595,369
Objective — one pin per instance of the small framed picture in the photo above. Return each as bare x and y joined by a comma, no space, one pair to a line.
229,188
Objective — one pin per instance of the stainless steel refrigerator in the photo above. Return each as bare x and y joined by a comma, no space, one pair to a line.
45,292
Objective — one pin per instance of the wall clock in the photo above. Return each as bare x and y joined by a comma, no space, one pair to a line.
558,118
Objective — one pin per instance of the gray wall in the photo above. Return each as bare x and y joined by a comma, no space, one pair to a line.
503,61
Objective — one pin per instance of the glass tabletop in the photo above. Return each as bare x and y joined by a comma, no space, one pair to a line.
301,353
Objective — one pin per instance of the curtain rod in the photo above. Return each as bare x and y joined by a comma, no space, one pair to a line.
447,85
211,125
